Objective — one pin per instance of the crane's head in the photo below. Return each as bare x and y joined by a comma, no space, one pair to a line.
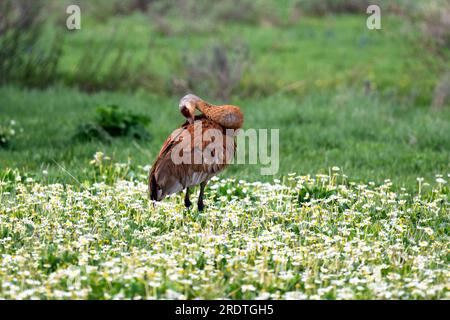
187,106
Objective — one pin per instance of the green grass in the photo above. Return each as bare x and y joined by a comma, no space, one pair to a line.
368,138
306,79
311,55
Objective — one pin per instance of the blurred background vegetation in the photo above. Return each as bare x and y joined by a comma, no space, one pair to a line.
373,102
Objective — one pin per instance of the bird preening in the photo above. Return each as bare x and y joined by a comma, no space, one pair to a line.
196,151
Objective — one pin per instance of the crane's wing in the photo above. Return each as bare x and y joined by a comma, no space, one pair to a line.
188,158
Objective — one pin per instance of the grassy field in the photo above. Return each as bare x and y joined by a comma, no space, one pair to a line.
358,209
320,237
368,138
307,80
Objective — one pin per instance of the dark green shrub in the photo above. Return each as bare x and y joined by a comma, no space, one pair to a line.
111,122
7,132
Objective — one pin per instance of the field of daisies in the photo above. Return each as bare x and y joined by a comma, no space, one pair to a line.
305,237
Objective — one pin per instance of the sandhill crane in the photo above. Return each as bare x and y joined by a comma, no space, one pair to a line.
193,141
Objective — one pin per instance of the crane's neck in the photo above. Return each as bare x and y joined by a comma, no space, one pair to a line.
206,109
227,116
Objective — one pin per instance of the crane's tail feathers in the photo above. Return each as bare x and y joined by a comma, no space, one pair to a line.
153,187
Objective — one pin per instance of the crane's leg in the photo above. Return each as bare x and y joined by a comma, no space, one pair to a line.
187,202
200,196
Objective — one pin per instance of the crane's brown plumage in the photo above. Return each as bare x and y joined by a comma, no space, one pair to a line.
167,177
227,116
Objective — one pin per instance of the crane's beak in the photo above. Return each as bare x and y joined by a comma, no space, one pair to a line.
191,108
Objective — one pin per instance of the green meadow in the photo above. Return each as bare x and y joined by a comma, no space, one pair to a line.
340,94
358,209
